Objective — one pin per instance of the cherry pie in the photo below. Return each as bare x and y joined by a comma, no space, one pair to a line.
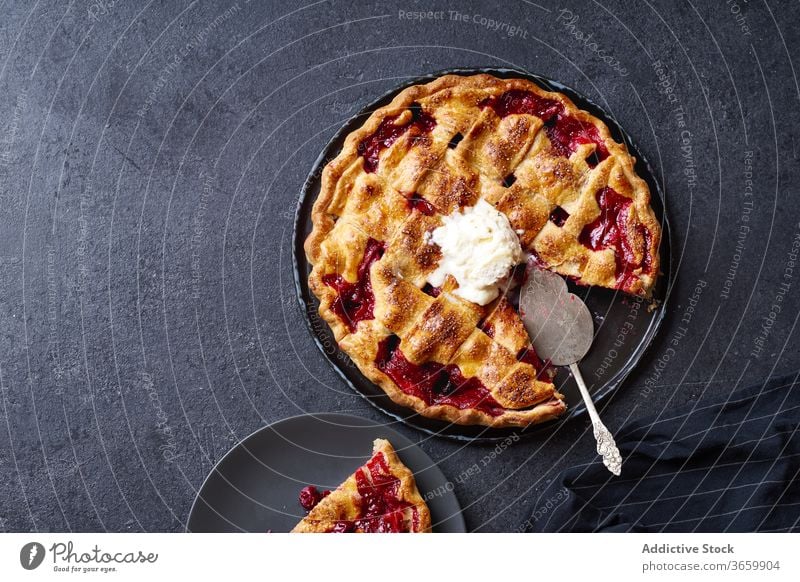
568,190
380,497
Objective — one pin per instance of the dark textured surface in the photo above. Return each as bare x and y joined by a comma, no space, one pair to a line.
151,157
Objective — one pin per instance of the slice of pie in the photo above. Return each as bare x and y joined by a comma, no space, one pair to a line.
380,497
566,188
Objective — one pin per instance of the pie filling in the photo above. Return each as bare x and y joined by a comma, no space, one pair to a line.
429,289
380,510
310,496
545,370
566,132
434,383
486,327
355,301
387,133
609,230
417,202
559,216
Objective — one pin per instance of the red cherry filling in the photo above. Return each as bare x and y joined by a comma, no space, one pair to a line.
380,509
434,383
387,133
559,216
518,101
355,301
417,202
429,289
310,496
534,260
566,133
486,327
610,230
543,369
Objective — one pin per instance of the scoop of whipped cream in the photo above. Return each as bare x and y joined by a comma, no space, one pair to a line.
479,248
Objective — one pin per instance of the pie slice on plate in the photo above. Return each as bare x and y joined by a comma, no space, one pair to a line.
380,497
451,152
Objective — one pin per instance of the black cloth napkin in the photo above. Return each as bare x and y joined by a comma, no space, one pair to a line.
730,466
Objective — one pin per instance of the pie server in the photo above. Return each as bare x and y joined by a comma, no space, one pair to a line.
562,330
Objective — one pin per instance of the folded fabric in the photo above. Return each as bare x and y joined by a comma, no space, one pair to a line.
731,466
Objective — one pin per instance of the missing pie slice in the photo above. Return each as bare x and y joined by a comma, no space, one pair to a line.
380,497
569,192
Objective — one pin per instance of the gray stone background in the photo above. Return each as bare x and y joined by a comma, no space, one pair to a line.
151,157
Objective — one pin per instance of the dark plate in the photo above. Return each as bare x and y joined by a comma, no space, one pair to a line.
255,486
624,326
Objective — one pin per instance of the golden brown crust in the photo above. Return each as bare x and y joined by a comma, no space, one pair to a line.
357,204
343,503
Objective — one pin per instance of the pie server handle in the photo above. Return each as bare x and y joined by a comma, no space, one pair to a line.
606,447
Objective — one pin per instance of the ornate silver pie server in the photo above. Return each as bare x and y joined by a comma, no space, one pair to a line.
562,330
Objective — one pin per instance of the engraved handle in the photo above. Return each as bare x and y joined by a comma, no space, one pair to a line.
606,447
